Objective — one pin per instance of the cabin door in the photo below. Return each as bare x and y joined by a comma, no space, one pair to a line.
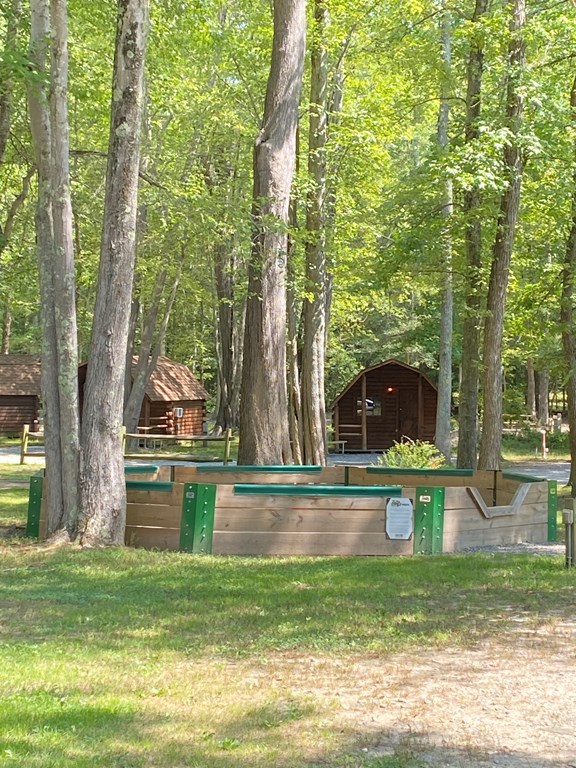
390,416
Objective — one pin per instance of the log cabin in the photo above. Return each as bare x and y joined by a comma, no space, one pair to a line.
384,404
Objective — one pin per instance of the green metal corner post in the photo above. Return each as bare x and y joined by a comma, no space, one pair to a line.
552,510
197,526
429,520
34,506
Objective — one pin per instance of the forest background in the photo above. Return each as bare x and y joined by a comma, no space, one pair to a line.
411,173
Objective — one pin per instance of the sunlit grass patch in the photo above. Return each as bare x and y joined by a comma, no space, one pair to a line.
13,507
127,657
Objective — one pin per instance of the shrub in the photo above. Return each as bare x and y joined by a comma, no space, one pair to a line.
412,454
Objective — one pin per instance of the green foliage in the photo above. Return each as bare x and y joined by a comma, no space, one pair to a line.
412,454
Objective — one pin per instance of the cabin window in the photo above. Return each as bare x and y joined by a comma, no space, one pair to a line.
373,406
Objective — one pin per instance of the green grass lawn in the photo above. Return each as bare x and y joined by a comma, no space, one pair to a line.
136,659
13,507
528,446
131,658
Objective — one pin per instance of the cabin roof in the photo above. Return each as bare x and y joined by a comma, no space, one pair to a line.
20,375
370,368
173,382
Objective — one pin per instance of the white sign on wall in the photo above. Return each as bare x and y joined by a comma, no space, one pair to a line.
399,519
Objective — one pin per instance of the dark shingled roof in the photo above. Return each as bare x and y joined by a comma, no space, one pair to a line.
20,375
171,381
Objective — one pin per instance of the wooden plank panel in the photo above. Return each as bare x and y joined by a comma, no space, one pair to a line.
527,513
328,503
164,498
157,515
360,476
250,543
321,521
454,542
326,476
152,538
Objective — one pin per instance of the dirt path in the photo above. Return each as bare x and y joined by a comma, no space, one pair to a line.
509,703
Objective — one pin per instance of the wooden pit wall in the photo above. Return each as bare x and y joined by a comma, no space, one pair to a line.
135,512
284,524
154,518
464,524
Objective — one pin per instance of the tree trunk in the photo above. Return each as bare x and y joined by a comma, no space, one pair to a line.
468,394
543,389
151,347
490,444
224,277
41,130
444,406
567,312
293,365
314,309
64,269
264,436
530,388
103,484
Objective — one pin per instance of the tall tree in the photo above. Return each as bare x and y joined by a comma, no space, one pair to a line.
315,303
264,436
102,484
41,131
567,311
468,394
444,407
64,267
492,379
49,123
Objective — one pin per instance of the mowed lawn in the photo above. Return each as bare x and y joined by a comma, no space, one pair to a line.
128,658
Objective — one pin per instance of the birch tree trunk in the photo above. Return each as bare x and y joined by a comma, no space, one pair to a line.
41,137
444,407
64,269
264,435
470,369
103,485
490,444
314,309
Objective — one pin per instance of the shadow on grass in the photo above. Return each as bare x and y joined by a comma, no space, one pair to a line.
242,606
64,728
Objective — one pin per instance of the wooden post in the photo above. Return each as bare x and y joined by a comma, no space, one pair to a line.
24,442
336,422
123,441
364,430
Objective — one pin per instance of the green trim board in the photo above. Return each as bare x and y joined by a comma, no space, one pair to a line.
140,469
511,475
429,520
412,471
34,506
318,490
197,524
149,485
256,468
552,510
